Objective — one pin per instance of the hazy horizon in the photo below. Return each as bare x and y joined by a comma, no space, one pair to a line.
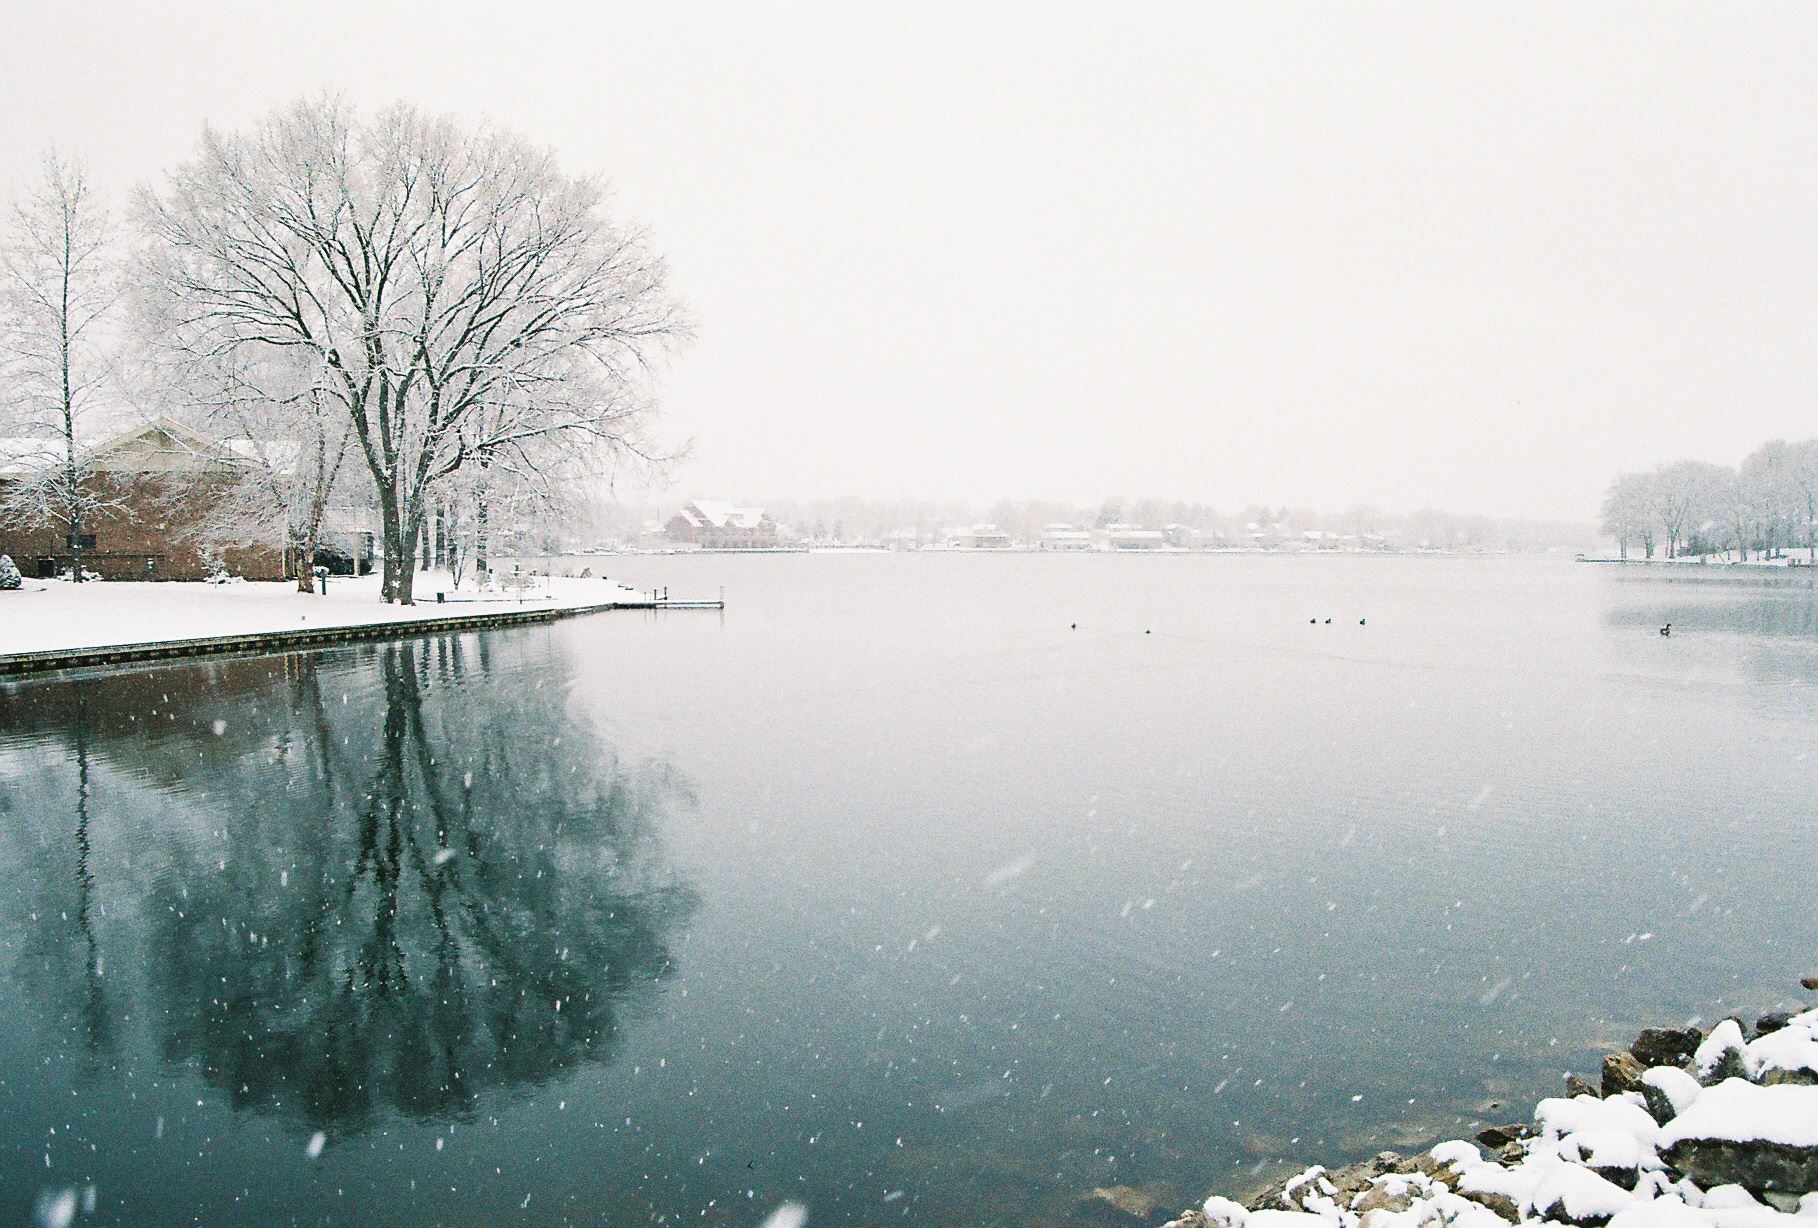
1461,256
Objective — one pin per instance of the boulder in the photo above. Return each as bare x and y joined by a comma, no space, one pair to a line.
1772,1022
1785,1055
1666,1046
1577,1086
1498,1137
1621,1073
1576,1195
1755,1164
1497,1204
1668,1091
1388,1196
1720,1056
1444,1163
1761,1138
1807,1078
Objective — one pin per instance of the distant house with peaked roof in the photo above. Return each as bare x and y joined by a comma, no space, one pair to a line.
722,526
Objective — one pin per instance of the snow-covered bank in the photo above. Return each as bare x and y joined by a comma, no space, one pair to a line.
1687,1130
55,615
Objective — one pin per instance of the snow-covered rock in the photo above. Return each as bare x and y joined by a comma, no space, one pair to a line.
1668,1091
1765,1138
1720,1056
1787,1055
1721,1133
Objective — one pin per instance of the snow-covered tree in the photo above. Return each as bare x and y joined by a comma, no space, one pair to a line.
1783,478
464,296
9,573
1628,512
1687,495
1802,496
57,285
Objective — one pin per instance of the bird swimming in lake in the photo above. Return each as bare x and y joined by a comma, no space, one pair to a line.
1362,621
1328,622
1667,630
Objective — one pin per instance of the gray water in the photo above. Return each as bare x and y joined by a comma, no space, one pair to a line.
890,891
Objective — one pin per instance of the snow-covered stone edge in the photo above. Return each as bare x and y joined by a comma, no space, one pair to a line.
1687,1130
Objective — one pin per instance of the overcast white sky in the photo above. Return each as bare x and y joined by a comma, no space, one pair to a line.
1475,255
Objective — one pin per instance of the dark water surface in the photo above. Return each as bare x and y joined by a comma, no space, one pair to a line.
888,892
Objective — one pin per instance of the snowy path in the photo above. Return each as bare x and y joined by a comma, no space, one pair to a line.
49,615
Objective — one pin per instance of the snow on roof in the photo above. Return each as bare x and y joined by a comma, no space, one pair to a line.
722,515
22,454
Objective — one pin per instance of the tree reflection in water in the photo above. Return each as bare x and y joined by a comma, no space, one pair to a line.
385,898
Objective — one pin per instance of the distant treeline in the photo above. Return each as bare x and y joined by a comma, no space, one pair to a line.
1693,509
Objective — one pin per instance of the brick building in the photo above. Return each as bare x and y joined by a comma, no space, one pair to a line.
156,478
721,526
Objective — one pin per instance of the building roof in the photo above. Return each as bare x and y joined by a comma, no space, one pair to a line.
162,443
24,454
706,513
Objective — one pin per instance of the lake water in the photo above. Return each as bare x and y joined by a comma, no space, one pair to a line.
890,891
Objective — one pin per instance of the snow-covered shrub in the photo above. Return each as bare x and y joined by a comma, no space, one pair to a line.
9,573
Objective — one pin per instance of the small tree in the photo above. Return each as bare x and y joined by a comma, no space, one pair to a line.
9,574
290,448
56,287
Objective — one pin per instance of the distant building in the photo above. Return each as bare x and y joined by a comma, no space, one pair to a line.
1131,537
980,537
1065,537
721,526
156,480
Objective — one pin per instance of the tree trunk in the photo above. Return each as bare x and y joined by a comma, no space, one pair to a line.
407,575
306,561
398,563
312,536
316,509
481,528
72,476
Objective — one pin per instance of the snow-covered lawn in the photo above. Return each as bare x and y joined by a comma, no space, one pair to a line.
47,615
